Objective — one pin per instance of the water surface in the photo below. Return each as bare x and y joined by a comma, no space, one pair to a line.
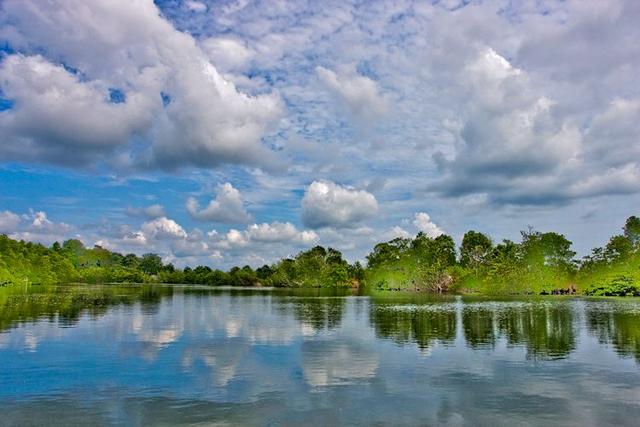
139,355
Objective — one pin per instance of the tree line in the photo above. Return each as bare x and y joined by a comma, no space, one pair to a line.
539,263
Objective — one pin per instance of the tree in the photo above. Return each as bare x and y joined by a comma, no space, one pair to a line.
445,250
264,272
131,261
547,249
74,246
475,249
357,271
151,263
619,248
504,263
390,251
632,230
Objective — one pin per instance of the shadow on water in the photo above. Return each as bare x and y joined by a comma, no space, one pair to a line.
66,304
546,327
414,318
175,355
617,325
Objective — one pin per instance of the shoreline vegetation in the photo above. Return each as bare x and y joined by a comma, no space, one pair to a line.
540,264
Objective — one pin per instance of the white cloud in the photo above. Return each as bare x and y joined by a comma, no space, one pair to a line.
8,221
422,221
510,133
280,232
163,228
37,227
206,121
227,53
235,238
264,234
227,207
328,204
525,103
136,238
393,233
49,99
359,93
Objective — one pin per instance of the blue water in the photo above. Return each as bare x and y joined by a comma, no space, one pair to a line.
169,356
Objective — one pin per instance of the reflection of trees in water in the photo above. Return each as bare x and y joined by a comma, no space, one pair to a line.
546,330
422,325
620,328
69,303
319,313
478,325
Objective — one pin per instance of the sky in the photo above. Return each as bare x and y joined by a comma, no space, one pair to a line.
238,132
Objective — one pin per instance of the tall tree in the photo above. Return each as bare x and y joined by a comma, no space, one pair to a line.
151,263
475,249
632,230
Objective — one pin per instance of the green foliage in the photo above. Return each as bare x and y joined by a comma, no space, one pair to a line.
616,286
422,263
475,249
540,263
317,267
26,262
150,263
614,269
632,231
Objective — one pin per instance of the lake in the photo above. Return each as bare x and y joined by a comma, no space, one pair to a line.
160,355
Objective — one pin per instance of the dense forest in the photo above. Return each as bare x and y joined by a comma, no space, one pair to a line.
541,263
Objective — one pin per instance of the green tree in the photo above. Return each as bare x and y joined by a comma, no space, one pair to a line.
475,249
619,248
131,261
632,230
151,263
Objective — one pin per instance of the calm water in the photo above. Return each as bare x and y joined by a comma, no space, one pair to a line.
166,356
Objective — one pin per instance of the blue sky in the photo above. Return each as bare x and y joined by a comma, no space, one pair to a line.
235,132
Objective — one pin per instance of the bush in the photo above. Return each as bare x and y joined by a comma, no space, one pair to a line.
620,286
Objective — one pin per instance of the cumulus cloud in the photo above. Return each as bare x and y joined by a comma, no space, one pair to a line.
135,238
34,226
163,228
360,94
165,237
8,221
227,207
132,79
422,221
265,233
393,233
496,105
227,53
510,133
280,232
267,242
49,100
328,204
152,211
